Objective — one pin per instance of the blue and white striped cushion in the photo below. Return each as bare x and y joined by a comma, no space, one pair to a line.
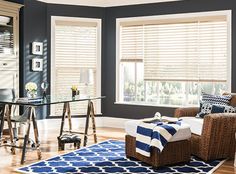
156,134
216,99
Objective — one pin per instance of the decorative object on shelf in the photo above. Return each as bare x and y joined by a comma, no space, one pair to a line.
37,64
86,77
6,40
4,20
74,91
31,89
37,48
44,87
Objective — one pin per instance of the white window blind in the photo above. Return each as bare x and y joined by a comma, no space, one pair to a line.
131,43
190,49
75,49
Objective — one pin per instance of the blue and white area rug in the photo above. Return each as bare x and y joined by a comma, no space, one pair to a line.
109,157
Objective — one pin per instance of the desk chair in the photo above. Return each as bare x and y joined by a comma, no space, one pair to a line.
9,94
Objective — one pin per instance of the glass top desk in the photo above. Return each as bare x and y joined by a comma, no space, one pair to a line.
31,117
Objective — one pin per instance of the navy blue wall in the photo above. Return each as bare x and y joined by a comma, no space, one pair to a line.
35,26
33,30
17,1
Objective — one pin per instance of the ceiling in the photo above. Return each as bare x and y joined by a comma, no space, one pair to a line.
104,3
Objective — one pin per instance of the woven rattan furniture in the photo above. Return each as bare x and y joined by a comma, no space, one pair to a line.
174,152
217,139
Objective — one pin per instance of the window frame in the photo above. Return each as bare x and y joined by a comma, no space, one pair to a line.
119,21
98,66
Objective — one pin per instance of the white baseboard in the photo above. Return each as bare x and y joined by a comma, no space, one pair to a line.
114,122
80,122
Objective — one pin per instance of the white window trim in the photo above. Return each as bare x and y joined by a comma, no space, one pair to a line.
98,67
228,13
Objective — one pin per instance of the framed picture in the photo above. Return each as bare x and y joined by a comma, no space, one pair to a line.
37,64
37,48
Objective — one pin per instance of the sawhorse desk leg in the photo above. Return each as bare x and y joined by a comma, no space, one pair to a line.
31,118
90,113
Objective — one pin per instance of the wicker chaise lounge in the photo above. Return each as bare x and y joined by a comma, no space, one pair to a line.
217,139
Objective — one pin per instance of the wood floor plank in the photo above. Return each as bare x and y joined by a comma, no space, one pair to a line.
49,130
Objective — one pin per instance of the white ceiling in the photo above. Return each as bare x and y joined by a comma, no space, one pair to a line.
104,3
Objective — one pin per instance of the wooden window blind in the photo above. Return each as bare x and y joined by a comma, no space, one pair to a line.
75,49
191,49
132,43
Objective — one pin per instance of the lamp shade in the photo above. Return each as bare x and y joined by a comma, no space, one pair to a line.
86,76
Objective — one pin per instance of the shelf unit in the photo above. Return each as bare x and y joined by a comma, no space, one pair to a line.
9,46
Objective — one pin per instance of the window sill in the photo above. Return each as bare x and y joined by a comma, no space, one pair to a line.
153,105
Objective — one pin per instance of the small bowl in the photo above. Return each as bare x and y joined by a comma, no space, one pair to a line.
4,20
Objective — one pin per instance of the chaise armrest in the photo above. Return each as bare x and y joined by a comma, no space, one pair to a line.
219,122
186,111
218,135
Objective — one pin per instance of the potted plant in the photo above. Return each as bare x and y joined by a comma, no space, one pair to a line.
31,89
75,91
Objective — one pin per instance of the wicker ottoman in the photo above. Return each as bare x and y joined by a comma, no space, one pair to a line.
174,152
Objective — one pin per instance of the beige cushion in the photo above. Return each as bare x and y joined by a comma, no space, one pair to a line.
194,123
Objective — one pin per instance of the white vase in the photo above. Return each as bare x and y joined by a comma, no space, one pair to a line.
31,94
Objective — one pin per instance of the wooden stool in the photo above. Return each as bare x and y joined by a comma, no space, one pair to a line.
68,138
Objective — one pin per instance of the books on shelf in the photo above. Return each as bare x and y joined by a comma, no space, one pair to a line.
30,100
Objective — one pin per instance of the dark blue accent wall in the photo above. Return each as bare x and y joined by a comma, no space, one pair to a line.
36,23
33,30
17,1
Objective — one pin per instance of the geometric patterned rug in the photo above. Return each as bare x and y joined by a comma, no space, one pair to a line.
109,157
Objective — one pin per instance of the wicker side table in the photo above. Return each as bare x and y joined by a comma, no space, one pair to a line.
174,152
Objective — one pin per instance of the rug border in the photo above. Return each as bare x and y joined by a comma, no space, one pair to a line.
216,167
19,171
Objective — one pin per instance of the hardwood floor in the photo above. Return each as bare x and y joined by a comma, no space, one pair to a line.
49,130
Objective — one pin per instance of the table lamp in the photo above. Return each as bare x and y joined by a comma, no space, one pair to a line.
86,77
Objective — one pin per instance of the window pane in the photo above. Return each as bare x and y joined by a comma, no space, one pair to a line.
140,82
172,93
151,91
193,94
213,88
128,71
